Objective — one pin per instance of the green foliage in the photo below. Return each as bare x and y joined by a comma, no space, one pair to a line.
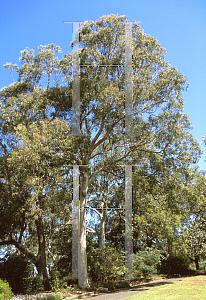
37,285
37,146
202,264
175,265
56,279
194,233
5,290
16,269
145,262
108,263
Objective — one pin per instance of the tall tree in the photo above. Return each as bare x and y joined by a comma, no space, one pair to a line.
157,89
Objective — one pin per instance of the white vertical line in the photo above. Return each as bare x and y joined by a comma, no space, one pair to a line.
128,223
76,81
128,79
75,227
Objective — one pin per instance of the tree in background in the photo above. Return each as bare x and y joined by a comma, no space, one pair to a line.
194,230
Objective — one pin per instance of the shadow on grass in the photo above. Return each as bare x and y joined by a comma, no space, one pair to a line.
147,286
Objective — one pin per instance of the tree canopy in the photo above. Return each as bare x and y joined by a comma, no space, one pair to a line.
38,148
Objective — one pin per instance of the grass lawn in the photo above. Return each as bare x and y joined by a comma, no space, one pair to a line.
193,288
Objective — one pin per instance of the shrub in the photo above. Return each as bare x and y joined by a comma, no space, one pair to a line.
16,269
145,262
202,265
37,285
108,263
56,282
5,290
175,265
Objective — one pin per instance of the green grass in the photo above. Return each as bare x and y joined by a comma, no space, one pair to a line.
193,288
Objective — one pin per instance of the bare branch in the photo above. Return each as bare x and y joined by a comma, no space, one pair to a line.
90,229
23,227
94,209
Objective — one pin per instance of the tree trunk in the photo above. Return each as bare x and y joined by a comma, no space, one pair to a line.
41,257
82,259
197,262
102,230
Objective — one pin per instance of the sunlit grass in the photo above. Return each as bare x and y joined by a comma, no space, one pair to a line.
193,288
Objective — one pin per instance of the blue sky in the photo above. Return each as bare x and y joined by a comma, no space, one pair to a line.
178,25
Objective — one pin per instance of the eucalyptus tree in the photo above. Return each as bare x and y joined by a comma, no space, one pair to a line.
194,230
102,199
157,97
157,93
35,193
160,179
34,182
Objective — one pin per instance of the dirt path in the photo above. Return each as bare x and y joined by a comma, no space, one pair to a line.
134,290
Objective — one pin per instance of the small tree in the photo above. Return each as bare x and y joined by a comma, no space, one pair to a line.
108,263
146,262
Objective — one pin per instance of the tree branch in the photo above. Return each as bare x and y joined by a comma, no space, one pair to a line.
23,227
94,209
100,130
90,229
21,248
93,145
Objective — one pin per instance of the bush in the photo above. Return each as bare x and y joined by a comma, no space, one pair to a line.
175,265
57,283
107,264
5,290
145,262
202,265
16,269
37,285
